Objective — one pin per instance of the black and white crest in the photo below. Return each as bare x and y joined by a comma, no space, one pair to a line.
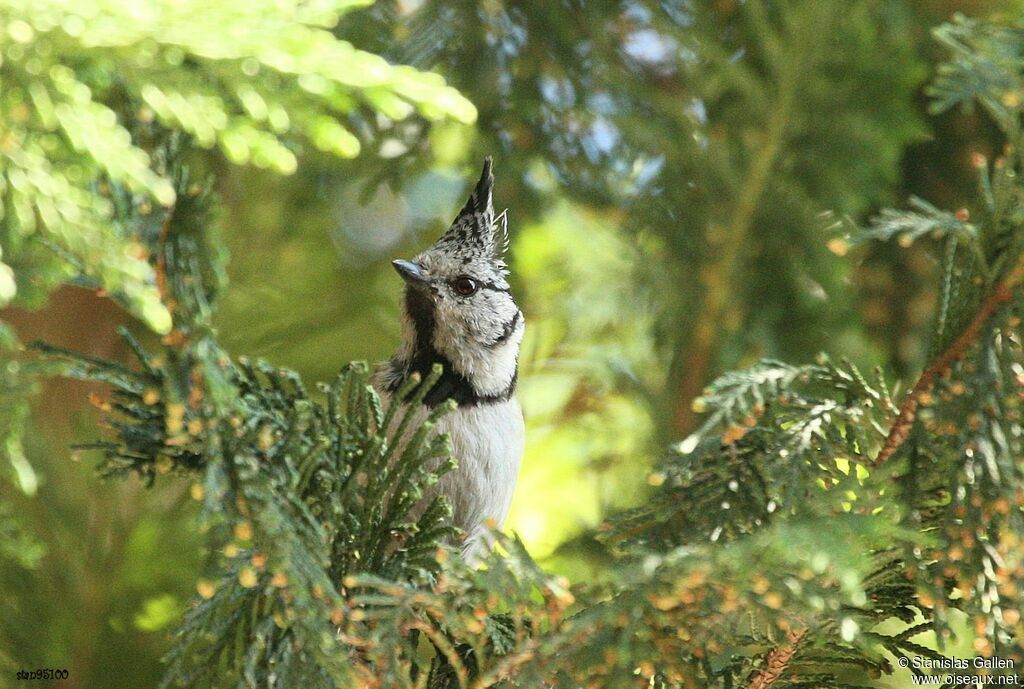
475,222
458,308
476,233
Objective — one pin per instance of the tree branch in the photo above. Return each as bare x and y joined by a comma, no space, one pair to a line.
900,430
161,258
777,660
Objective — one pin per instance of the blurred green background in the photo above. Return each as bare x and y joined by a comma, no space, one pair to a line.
665,167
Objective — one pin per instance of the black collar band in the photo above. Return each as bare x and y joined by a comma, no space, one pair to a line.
452,384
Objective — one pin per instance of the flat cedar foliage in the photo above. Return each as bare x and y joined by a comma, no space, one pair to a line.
819,521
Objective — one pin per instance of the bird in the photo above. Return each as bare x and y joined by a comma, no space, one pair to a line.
458,311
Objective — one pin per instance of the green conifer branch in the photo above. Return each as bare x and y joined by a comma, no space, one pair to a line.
901,428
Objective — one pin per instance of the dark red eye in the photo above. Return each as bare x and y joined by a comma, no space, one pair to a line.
465,285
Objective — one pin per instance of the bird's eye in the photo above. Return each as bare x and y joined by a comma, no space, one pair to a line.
465,285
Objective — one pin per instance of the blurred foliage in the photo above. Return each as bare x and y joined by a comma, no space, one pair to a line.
773,110
253,79
665,168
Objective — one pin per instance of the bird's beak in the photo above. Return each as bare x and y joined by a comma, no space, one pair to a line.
412,273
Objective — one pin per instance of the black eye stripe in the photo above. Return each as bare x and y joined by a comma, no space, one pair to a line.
480,285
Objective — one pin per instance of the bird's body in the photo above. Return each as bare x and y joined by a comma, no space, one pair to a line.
488,443
458,311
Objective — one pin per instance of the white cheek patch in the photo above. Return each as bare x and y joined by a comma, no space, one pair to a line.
465,333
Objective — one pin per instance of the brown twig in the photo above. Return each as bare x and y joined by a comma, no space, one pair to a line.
900,430
161,259
777,660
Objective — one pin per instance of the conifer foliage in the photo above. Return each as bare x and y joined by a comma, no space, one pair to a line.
807,535
73,70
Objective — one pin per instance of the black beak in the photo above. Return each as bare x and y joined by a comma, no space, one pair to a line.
412,273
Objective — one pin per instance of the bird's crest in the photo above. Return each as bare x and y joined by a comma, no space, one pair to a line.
473,230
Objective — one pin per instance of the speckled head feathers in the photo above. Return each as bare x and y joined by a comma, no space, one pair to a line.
473,237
